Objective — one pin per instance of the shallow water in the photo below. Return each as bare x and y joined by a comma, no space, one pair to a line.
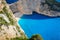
47,27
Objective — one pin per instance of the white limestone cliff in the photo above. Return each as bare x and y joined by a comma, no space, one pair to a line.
9,27
40,6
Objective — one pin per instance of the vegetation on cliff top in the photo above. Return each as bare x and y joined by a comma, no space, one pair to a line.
34,37
6,14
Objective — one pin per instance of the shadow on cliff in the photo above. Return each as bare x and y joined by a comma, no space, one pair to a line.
36,16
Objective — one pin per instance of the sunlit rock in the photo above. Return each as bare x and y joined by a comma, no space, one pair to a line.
9,27
45,7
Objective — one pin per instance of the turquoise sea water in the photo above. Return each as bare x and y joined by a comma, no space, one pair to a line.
47,27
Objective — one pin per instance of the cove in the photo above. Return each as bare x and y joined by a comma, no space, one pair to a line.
47,27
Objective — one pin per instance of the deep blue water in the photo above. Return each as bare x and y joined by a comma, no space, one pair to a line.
11,1
47,27
58,0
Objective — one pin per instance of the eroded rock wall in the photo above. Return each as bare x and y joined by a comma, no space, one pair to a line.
40,6
9,27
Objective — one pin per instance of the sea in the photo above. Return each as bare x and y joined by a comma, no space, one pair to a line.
47,27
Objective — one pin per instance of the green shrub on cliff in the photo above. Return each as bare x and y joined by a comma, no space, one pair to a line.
36,37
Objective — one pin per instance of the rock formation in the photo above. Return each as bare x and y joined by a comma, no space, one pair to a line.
9,27
44,7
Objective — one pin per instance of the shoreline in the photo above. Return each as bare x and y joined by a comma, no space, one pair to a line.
18,24
21,27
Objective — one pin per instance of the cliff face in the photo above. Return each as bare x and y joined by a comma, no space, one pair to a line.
44,7
9,27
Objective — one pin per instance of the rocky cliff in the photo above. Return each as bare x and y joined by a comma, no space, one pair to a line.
9,27
45,7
